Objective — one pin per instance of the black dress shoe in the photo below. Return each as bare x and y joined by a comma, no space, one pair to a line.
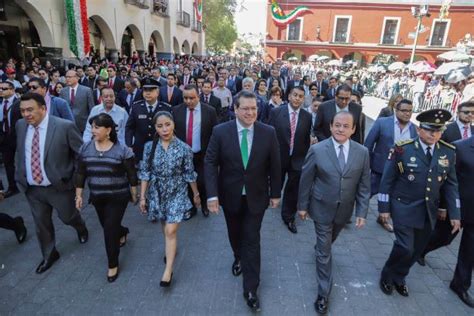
291,226
83,236
46,264
463,295
402,289
166,283
252,301
386,287
321,305
11,192
189,214
20,231
236,267
124,236
113,277
205,211
421,261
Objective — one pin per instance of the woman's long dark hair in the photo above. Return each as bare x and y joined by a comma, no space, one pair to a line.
105,120
156,137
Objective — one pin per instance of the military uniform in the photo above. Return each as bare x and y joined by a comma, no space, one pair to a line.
410,191
140,128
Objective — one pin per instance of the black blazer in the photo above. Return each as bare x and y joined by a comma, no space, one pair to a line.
208,121
119,84
214,101
280,119
326,112
452,132
176,98
122,99
8,140
96,95
324,87
225,175
329,94
465,175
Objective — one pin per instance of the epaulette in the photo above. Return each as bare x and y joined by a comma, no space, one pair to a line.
447,144
404,142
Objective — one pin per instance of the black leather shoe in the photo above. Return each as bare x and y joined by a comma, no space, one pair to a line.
252,301
205,211
123,238
20,231
421,261
291,226
166,283
236,267
83,236
46,264
463,295
189,214
386,287
321,305
402,289
114,277
11,192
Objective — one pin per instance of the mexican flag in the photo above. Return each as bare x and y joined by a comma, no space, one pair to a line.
198,9
78,29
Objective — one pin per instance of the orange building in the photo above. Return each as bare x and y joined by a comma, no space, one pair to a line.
364,30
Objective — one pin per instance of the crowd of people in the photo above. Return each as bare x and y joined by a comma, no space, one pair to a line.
178,136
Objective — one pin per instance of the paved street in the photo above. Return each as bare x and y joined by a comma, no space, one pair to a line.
203,283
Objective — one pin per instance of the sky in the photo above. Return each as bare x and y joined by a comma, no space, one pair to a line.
253,19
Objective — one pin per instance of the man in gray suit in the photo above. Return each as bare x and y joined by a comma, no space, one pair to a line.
79,98
45,154
335,176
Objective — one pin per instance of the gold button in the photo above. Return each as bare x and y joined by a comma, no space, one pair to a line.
427,198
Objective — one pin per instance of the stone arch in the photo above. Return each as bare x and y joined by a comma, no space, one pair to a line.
185,48
158,42
132,39
44,31
105,31
195,49
176,48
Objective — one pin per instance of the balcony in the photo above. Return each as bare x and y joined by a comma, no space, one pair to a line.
160,7
197,26
183,18
142,4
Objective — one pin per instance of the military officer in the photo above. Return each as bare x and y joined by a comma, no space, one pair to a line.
415,173
139,128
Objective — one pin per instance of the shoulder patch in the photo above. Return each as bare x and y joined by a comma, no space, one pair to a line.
447,144
404,142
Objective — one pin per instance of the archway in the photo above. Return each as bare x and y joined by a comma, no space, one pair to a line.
132,40
195,49
156,44
102,38
185,48
176,49
293,53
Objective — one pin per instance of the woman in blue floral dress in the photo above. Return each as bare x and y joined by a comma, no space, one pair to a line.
166,170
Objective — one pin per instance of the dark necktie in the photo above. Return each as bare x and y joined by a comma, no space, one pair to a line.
428,153
189,135
341,157
6,126
73,97
150,109
207,99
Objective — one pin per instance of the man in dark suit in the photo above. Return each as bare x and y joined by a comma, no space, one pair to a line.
92,77
233,76
293,127
54,105
242,171
156,73
101,83
417,172
457,130
208,97
10,114
45,158
321,83
129,95
82,76
357,86
465,173
170,93
328,109
296,82
114,82
139,129
194,122
330,92
383,135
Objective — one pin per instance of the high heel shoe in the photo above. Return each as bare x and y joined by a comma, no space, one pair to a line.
166,283
113,277
124,242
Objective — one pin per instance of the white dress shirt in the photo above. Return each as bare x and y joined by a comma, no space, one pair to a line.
345,148
461,128
425,146
403,134
196,127
118,114
42,128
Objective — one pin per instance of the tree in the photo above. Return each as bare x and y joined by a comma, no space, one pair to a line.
219,24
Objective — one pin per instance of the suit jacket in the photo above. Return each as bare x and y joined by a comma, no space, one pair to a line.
226,176
62,144
280,120
324,87
59,108
8,140
119,84
380,139
359,88
329,94
215,102
452,132
326,112
83,104
465,175
122,99
329,193
91,82
176,98
208,121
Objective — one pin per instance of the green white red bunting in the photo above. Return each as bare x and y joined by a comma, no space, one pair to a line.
78,29
198,9
281,19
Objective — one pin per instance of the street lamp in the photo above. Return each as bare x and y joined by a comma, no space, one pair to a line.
419,13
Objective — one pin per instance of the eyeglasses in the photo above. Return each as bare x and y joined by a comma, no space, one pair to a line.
467,112
33,87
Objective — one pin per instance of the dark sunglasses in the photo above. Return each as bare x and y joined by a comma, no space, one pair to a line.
467,112
343,99
33,87
5,89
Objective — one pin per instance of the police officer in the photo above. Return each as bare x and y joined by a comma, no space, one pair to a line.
139,128
415,173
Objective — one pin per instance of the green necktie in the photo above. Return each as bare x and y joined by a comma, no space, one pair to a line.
244,148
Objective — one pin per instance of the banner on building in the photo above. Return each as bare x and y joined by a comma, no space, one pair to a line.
78,28
281,19
198,10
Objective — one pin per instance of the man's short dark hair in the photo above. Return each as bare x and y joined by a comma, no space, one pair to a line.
38,98
343,87
465,104
244,95
403,101
106,88
344,113
207,82
172,75
132,82
39,81
300,88
190,87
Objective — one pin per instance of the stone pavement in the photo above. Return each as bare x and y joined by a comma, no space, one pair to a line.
203,283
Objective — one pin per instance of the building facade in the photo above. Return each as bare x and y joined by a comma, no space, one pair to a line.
39,28
366,30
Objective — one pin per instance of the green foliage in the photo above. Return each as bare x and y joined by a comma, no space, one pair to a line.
219,24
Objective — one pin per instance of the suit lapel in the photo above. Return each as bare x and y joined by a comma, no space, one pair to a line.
332,154
255,144
286,119
49,135
350,157
234,139
391,132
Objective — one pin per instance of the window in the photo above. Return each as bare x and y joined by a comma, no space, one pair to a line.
439,32
294,30
342,29
390,31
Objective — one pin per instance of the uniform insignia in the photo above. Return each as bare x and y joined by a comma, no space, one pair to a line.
447,144
443,157
412,159
142,116
404,142
400,166
414,165
416,145
411,177
443,162
390,154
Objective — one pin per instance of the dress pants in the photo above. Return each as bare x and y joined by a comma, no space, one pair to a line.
42,200
110,211
326,234
407,248
441,236
290,195
463,273
8,222
375,178
8,154
243,228
198,161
